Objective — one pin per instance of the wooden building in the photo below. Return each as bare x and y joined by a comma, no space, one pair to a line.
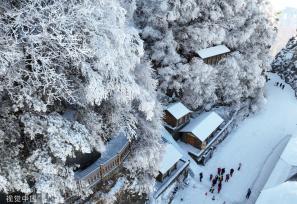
173,168
117,150
176,115
213,55
169,162
200,130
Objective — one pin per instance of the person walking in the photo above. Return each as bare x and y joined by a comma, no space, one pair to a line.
219,187
239,166
223,171
201,176
277,83
211,189
221,178
219,171
213,197
283,87
231,172
210,177
214,181
227,178
248,194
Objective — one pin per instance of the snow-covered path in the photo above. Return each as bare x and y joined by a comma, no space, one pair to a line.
256,143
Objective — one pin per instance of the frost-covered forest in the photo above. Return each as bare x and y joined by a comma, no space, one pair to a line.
178,29
285,63
75,72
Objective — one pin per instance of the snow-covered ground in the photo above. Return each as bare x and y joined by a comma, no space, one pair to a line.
257,143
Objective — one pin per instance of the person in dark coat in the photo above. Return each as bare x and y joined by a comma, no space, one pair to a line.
214,181
223,171
227,178
219,187
231,172
219,171
283,87
277,83
239,167
211,189
210,177
248,194
201,176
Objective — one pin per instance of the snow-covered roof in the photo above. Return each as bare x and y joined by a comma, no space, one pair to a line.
166,135
178,110
289,155
203,125
170,157
285,193
112,148
213,51
281,172
286,166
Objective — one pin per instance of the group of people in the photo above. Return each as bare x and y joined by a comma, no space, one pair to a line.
219,178
280,85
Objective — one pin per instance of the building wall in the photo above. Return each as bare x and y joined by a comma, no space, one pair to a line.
172,121
161,176
105,169
189,138
214,59
169,119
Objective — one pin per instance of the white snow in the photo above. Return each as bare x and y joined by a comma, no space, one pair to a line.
290,153
281,172
257,143
285,193
286,166
178,110
170,157
203,125
213,51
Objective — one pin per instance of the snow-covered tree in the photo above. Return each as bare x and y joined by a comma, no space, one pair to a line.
285,63
178,29
72,76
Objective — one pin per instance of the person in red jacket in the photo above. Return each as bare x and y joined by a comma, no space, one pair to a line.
219,187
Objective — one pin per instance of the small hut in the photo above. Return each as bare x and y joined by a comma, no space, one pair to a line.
169,162
200,130
177,115
213,55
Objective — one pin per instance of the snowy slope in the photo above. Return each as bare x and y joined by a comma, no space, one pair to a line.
257,143
285,193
